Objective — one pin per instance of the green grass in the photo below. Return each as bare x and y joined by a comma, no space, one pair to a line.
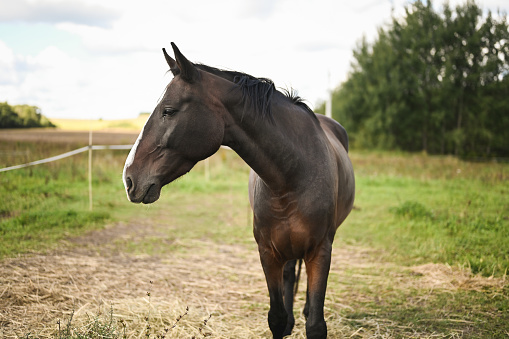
467,314
457,221
44,204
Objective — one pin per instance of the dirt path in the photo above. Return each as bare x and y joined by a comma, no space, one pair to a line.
93,277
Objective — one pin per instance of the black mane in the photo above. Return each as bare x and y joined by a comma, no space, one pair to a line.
297,100
258,92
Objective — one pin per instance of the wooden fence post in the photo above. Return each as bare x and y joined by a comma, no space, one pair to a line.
90,169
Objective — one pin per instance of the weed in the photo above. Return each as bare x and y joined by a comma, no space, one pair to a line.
95,328
412,210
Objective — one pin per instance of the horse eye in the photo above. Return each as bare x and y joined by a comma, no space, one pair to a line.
168,111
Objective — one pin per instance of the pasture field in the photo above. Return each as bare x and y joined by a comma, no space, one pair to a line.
45,203
423,254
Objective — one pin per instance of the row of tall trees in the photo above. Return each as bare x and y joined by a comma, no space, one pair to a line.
433,81
22,116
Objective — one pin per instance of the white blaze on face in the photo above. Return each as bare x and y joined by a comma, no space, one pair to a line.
130,158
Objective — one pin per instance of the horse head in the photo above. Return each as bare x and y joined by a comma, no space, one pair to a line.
185,127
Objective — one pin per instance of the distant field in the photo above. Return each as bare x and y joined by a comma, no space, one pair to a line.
48,141
110,125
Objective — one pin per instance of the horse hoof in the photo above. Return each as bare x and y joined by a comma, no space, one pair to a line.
289,328
316,331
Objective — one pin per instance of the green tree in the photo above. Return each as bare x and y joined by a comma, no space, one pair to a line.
19,116
431,81
8,118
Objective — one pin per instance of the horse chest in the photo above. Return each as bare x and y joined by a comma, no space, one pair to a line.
288,227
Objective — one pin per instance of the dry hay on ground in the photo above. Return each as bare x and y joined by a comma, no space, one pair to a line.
39,290
220,281
454,278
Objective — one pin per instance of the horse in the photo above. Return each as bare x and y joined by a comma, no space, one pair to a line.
301,184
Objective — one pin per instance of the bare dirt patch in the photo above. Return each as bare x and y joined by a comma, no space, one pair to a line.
94,277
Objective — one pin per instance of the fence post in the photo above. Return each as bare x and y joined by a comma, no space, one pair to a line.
207,169
90,169
328,102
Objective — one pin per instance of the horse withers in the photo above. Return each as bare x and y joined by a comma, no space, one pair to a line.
301,186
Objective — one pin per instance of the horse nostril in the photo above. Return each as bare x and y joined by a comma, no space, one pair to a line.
128,183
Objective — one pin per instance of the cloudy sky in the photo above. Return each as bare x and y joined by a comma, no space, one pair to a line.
93,59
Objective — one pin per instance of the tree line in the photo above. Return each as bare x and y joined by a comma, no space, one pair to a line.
432,81
22,116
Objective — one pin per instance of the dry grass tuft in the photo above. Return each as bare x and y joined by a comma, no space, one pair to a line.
453,278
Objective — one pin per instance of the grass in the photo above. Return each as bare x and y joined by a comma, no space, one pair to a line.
415,312
414,215
434,215
45,204
96,327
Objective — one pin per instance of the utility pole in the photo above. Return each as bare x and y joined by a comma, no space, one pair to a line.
328,102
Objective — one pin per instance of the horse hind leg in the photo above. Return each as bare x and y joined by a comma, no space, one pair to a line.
289,283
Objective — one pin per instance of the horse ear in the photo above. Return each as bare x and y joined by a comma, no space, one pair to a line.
188,71
172,63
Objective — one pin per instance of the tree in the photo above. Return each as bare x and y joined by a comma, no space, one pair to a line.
22,116
8,118
431,81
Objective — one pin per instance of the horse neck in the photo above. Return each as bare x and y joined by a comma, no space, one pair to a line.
271,148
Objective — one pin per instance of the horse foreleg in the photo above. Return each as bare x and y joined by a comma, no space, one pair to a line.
277,317
289,285
317,268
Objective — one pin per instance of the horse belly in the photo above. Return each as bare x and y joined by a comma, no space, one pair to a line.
346,188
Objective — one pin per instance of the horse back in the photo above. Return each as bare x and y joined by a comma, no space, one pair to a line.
334,127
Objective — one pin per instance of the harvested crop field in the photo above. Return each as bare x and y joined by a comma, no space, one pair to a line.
69,137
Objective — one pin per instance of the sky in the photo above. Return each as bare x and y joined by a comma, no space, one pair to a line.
102,59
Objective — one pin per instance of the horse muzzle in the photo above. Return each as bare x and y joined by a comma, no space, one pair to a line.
144,193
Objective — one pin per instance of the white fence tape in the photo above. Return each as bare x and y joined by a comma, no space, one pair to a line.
65,155
71,153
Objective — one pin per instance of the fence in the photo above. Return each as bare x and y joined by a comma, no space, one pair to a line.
65,155
88,148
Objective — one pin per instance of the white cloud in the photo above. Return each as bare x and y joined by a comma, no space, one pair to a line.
48,81
56,11
7,69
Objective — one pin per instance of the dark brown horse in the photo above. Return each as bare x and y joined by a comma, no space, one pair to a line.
301,186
